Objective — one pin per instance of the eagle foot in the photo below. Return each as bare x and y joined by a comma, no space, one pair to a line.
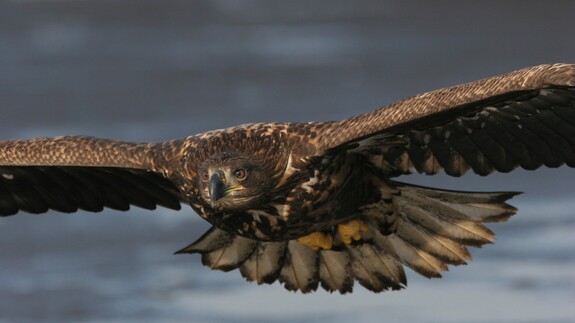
317,240
350,231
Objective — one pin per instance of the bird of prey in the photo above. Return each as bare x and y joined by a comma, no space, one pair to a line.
317,203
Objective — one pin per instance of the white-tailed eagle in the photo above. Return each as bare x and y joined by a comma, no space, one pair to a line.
317,203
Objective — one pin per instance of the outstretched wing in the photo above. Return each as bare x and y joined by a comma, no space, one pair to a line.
70,173
524,118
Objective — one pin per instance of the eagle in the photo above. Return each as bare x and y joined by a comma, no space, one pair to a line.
317,203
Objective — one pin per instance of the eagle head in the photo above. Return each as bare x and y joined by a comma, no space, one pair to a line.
234,181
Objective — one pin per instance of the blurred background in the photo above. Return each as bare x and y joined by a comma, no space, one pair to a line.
148,70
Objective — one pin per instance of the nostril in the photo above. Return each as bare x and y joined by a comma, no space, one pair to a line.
221,175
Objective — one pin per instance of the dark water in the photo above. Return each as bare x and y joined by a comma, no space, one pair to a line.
155,70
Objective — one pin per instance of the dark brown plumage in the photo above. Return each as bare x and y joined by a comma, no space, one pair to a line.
313,204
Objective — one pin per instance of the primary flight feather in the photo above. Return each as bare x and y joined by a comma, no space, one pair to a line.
317,203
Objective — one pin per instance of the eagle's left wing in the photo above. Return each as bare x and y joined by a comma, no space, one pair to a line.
524,118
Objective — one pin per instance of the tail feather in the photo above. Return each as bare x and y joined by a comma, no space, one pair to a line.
230,256
375,269
416,259
485,212
334,271
475,206
421,228
265,263
300,270
454,215
467,232
212,240
440,247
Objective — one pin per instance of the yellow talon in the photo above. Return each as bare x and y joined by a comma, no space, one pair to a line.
351,230
317,240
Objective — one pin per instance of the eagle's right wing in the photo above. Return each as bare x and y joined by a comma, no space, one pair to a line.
70,173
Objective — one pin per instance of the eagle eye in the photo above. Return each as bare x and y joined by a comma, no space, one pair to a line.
205,176
240,174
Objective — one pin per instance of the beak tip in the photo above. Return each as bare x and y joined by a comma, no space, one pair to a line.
216,188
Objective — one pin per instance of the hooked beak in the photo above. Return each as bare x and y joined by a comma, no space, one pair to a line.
216,187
